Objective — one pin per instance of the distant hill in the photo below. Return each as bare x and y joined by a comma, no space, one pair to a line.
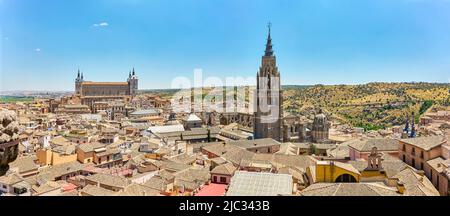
372,105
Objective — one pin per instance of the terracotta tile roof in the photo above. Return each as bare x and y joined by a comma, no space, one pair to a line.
349,189
436,164
366,145
425,143
138,190
10,179
224,169
89,147
94,190
156,183
416,184
110,180
24,164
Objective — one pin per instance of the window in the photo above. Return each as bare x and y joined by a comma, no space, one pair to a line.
421,165
404,148
215,178
4,186
413,151
421,154
437,182
223,179
404,158
413,163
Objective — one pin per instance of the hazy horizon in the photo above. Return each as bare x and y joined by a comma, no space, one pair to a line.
284,85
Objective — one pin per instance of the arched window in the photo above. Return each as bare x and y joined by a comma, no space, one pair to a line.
345,178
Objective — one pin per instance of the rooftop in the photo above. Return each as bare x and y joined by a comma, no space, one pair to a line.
166,128
110,180
212,190
103,83
193,117
145,112
257,143
260,184
94,190
366,145
89,147
224,169
349,189
425,143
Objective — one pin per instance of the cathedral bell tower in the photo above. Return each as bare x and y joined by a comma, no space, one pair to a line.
133,83
268,111
78,82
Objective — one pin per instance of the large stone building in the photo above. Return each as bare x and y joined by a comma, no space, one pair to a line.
320,128
268,111
92,92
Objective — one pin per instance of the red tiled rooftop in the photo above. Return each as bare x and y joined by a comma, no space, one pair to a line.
212,190
69,187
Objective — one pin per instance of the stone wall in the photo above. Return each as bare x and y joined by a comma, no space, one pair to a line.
9,134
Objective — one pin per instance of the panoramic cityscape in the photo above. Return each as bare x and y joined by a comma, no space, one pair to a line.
213,132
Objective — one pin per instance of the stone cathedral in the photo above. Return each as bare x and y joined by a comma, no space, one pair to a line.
268,104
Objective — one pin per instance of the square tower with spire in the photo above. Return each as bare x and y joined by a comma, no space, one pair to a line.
268,104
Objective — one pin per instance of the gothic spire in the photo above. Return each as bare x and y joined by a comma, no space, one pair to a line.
133,72
406,129
82,76
269,51
78,76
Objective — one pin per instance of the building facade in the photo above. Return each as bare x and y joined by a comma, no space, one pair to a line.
417,151
92,92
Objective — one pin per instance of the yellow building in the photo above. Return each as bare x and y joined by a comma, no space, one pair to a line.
332,171
58,155
85,152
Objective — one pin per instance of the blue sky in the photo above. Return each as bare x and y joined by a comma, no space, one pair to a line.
43,42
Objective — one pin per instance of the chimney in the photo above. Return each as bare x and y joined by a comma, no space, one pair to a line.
400,187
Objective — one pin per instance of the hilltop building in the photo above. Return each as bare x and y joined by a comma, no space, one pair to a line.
92,92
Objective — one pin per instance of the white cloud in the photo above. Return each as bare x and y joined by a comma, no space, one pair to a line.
103,24
37,49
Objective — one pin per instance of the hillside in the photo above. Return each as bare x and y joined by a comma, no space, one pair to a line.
371,106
